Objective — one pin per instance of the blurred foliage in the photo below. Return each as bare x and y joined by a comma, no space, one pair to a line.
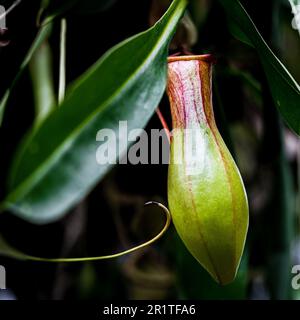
47,178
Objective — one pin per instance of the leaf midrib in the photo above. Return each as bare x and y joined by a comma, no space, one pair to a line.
41,170
258,37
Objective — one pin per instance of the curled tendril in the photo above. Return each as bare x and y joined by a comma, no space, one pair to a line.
119,254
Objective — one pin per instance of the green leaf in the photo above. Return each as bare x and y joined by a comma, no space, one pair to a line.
56,165
238,33
285,90
41,72
42,35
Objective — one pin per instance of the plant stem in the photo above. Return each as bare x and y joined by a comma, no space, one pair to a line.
43,34
163,122
42,80
62,61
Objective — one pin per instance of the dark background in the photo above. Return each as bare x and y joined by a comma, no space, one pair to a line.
112,217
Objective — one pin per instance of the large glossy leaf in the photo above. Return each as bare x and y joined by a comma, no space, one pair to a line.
56,165
284,89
